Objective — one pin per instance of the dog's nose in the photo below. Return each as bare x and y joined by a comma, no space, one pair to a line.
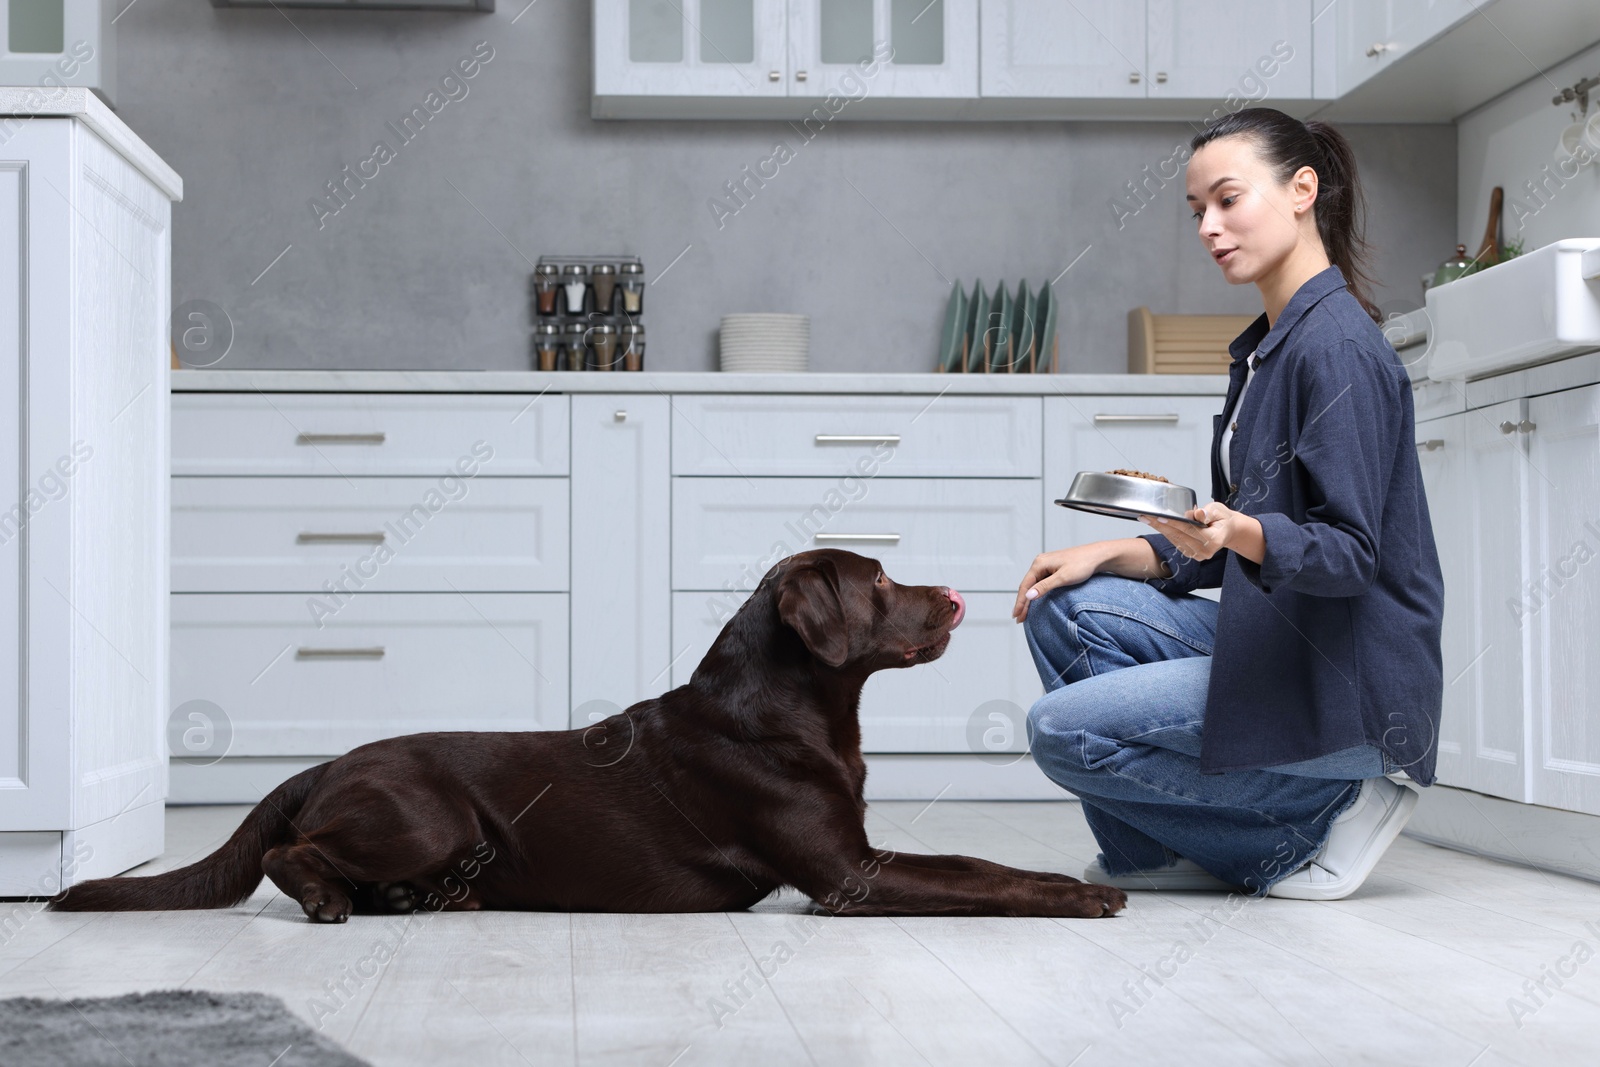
958,605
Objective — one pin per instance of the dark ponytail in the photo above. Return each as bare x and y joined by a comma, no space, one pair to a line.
1287,144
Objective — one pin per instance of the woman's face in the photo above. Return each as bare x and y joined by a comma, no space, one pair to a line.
1249,222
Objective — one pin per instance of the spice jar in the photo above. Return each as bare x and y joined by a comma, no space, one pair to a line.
603,278
603,342
547,345
575,280
633,346
631,281
577,350
546,288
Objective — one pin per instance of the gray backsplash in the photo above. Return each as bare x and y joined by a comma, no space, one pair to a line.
863,229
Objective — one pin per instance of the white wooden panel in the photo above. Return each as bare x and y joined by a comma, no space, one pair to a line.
949,705
118,489
472,661
621,549
1165,435
968,534
1441,454
1431,399
423,535
1371,35
352,434
939,436
1562,601
15,487
702,71
1230,50
955,78
1497,528
1050,49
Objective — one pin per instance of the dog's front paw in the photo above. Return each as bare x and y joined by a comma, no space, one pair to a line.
1099,901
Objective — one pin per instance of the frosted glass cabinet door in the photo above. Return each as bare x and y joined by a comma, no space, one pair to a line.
689,47
1243,49
1053,49
51,42
909,48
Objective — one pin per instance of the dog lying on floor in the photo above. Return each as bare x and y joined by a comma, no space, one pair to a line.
708,798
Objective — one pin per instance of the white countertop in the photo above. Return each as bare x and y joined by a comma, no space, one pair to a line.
449,381
76,102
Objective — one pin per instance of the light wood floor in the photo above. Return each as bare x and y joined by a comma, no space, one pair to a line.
1422,966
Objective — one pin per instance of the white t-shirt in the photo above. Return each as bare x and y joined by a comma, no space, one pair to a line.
1232,418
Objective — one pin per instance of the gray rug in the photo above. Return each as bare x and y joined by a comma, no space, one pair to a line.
160,1029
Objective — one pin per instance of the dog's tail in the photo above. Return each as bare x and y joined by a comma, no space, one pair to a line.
221,880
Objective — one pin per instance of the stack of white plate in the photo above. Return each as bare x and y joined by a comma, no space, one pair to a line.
773,343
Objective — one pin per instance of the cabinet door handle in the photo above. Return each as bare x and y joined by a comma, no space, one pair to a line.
339,653
774,75
858,438
1161,77
309,538
1378,48
1431,444
1135,418
1508,427
799,75
340,439
877,538
1526,427
620,416
1133,77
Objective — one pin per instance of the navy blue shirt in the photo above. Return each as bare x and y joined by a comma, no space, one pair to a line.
1333,639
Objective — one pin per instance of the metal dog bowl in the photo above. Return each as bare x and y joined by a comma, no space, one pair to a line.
1127,497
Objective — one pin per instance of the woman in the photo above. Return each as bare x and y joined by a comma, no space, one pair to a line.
1247,742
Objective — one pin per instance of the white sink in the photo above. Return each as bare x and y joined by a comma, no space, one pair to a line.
1540,306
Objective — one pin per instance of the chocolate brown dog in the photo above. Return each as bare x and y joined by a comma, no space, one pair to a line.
708,798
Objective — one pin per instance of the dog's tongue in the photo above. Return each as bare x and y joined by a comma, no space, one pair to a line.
961,608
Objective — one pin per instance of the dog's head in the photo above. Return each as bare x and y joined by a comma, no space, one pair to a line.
848,613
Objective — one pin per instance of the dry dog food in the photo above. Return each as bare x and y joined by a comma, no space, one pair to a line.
1140,474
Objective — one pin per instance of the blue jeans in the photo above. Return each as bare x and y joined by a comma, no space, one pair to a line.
1125,669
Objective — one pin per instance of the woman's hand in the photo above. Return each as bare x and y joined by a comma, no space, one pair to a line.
1225,528
1067,566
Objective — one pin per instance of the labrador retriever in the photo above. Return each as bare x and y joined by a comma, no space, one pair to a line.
707,798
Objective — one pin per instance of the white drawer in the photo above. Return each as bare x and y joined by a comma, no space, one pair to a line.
409,663
969,534
354,434
921,436
1165,435
270,535
949,705
1432,400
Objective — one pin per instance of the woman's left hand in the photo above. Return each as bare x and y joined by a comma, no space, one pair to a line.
1225,528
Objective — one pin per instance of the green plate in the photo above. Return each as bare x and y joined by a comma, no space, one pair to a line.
1022,332
1046,317
955,330
998,325
977,313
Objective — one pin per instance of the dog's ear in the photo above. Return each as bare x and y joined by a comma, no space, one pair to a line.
809,603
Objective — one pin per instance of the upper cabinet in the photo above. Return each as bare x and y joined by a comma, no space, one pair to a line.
649,53
47,44
1051,49
690,48
1183,60
1226,51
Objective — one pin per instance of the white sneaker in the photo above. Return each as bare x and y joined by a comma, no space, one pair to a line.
1356,840
1183,874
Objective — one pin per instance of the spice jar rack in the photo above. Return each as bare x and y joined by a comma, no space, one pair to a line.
588,312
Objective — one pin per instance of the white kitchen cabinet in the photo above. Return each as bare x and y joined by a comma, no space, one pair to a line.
1444,463
1051,49
734,48
269,679
49,44
1256,50
1370,35
974,698
621,550
85,275
1167,435
1560,603
911,48
805,49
